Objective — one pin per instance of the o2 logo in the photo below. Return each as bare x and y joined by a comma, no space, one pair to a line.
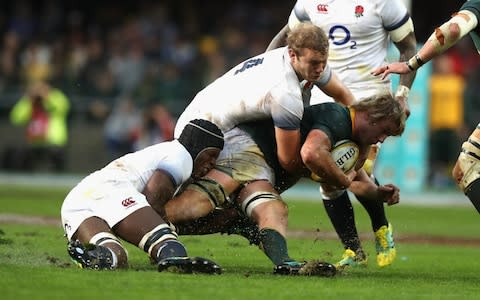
334,30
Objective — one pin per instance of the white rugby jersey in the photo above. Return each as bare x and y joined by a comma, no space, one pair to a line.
263,86
358,32
138,167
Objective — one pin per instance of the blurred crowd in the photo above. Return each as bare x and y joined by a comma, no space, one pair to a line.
150,51
130,66
133,66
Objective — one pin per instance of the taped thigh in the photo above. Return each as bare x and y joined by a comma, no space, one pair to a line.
211,188
469,162
256,199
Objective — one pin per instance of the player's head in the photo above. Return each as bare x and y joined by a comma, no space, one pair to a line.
204,141
307,36
383,116
308,50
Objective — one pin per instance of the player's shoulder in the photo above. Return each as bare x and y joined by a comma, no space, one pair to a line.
263,66
323,108
390,6
471,5
163,150
260,59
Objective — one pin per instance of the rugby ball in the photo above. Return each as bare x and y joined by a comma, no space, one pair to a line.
345,153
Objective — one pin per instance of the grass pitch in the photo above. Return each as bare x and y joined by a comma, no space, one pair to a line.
438,250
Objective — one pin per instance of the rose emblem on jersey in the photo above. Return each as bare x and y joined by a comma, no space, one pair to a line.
358,11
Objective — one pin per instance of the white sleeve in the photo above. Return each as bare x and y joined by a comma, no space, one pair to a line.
394,14
178,163
286,109
298,15
324,77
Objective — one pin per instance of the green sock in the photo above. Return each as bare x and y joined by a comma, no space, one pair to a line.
274,245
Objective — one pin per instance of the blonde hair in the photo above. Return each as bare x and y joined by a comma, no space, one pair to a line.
307,35
381,107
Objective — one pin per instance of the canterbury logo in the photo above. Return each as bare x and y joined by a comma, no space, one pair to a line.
128,202
322,8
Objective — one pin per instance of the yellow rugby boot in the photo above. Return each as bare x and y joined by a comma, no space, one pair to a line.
386,252
352,259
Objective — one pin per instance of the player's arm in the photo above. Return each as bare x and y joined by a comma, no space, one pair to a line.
406,43
407,47
158,190
288,148
444,37
364,186
297,16
279,39
335,88
316,156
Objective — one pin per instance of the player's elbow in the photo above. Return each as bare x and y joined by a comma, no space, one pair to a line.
290,165
308,157
454,32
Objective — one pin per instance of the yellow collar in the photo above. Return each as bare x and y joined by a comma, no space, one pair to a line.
352,117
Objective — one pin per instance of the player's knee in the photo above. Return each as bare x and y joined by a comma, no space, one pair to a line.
211,189
457,173
467,167
254,200
157,241
111,242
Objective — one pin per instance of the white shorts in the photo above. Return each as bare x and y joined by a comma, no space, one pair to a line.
99,195
243,159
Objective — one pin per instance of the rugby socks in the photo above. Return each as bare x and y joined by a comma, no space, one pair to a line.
274,245
340,212
376,211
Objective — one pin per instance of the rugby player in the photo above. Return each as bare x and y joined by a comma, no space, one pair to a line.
118,201
323,125
359,32
276,85
466,171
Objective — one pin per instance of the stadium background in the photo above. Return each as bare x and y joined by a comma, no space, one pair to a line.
165,51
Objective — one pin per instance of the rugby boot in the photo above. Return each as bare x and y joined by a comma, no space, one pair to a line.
90,256
385,246
312,268
351,259
187,265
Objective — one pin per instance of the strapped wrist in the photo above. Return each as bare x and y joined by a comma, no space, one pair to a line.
415,62
402,91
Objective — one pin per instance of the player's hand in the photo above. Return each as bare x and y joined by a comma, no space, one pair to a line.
351,175
330,187
389,193
404,103
396,68
333,182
